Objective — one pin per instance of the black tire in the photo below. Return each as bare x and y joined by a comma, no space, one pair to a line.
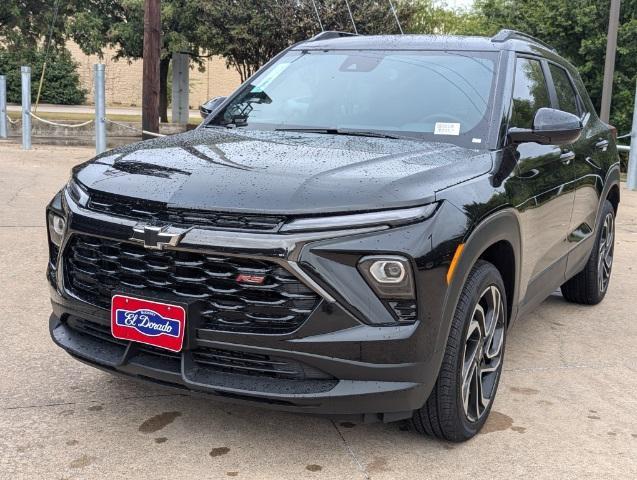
445,415
589,286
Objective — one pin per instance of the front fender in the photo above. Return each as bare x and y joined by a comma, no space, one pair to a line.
501,226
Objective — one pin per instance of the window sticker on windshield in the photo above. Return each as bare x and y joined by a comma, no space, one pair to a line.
447,129
263,82
476,140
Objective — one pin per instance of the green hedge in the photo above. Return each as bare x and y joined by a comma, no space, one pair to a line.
61,82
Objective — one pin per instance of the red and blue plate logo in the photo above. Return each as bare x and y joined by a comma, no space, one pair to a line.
144,321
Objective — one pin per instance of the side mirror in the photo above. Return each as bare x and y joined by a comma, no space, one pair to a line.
550,127
207,108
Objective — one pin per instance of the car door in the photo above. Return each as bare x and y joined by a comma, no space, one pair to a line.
591,158
541,188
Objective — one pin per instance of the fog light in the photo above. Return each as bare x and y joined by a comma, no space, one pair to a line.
390,276
57,226
387,271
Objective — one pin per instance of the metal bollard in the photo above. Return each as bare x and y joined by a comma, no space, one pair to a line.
26,107
3,106
632,156
100,109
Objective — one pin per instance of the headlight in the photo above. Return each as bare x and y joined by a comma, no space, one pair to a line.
390,276
387,271
57,227
388,218
78,194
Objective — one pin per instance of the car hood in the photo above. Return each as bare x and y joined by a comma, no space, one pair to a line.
282,172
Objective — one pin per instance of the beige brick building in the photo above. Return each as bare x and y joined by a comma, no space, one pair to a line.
124,79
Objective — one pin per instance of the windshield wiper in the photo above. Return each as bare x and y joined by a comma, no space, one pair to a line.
342,131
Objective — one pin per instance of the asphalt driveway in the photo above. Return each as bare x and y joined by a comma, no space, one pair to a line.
567,405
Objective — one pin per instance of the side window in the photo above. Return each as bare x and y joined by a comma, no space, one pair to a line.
529,92
585,102
566,96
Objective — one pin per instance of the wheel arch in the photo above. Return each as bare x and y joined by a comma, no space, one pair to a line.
496,239
502,256
613,196
611,191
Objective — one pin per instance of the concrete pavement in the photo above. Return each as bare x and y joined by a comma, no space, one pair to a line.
567,405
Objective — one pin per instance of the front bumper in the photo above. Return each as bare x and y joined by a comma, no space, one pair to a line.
378,371
385,400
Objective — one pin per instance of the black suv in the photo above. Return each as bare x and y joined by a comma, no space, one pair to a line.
350,233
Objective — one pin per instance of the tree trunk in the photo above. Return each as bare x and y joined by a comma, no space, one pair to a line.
163,89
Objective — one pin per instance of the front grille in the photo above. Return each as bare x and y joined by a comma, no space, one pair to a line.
405,311
158,213
233,361
96,330
95,267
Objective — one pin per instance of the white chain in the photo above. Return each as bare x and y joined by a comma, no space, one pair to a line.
77,125
12,122
145,132
84,124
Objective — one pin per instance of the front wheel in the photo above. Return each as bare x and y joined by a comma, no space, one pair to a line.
468,379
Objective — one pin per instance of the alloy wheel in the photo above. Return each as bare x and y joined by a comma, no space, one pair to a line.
483,351
606,250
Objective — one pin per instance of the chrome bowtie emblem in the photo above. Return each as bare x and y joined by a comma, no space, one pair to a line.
156,238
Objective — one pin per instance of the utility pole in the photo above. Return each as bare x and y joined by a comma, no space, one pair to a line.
152,49
609,67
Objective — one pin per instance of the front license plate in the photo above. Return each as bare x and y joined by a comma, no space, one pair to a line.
152,323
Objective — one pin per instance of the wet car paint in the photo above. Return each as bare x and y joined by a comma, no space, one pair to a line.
276,172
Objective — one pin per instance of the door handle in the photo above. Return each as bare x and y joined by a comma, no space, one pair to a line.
534,172
602,145
566,157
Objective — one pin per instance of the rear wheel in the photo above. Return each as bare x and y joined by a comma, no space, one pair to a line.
589,287
468,379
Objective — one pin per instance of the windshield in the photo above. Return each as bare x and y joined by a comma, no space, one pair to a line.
432,95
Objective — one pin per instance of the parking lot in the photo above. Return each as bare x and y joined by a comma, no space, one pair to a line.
567,405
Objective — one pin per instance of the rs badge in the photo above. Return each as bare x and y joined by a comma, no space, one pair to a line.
145,321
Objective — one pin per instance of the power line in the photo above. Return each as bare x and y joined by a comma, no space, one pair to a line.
393,9
318,16
351,17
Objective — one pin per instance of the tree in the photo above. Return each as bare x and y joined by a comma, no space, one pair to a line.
119,24
578,29
248,33
61,83
23,23
32,32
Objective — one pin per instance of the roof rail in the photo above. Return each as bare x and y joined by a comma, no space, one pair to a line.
329,34
507,34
